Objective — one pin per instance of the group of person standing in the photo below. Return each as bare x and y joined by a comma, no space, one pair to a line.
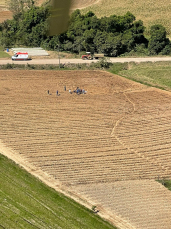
77,91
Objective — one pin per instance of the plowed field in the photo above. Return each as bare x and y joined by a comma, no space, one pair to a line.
118,131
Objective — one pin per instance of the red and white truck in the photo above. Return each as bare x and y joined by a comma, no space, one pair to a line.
20,56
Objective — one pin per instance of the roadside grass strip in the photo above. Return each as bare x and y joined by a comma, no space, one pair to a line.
152,74
4,54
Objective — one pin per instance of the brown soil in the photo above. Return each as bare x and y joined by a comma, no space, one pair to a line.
76,4
4,14
118,131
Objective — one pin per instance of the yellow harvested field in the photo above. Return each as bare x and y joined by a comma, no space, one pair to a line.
75,3
118,132
149,11
83,3
6,14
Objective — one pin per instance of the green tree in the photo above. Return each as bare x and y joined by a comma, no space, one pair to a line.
112,35
30,31
158,43
88,37
138,32
107,43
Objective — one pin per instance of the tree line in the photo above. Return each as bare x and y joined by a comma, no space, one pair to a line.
113,36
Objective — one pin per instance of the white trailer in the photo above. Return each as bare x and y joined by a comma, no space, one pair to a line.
98,55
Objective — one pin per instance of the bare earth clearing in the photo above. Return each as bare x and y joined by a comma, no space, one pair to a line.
104,148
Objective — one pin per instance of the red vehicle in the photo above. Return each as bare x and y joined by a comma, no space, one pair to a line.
88,56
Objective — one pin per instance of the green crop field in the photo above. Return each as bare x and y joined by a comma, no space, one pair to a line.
4,55
153,74
25,202
166,183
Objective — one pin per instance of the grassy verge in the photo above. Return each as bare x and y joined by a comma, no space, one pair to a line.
25,202
4,54
46,66
152,74
166,183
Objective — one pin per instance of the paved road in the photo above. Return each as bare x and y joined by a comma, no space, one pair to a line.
80,61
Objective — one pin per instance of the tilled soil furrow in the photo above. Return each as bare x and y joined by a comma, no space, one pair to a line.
118,131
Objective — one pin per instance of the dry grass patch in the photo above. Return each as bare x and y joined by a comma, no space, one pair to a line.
150,12
78,4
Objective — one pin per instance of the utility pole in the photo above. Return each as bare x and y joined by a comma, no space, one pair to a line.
79,47
59,55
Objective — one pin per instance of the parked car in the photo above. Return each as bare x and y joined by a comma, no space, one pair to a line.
20,56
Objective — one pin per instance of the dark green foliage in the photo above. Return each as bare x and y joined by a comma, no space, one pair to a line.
113,36
103,63
138,30
29,28
158,43
7,66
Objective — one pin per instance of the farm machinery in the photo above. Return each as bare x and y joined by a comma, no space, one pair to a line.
89,56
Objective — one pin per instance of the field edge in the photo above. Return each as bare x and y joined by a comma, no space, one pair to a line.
54,184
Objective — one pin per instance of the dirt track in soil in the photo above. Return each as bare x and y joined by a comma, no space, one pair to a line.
118,131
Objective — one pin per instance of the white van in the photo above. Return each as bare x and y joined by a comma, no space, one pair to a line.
20,56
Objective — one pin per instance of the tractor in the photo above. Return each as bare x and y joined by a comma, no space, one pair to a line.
87,56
